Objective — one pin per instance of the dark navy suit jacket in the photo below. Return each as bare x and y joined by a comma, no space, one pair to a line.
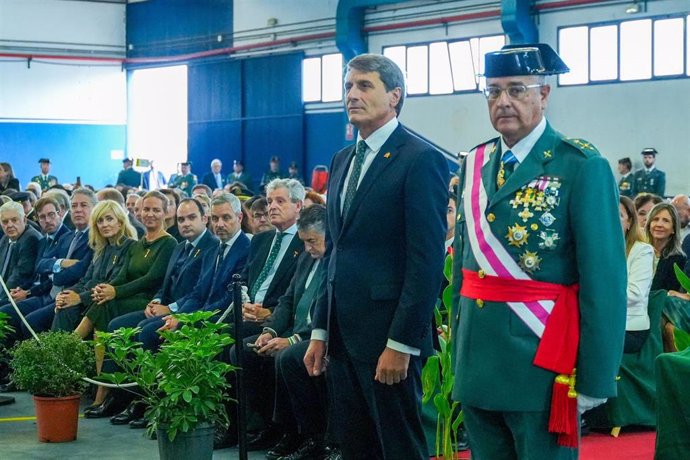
386,257
211,292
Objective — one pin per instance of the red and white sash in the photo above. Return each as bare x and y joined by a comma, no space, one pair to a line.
488,251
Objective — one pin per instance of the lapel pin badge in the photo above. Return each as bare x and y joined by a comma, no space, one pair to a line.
295,254
547,154
387,155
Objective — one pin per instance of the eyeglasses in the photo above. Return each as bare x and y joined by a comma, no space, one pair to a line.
517,92
260,215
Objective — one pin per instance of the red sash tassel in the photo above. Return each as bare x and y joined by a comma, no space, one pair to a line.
557,350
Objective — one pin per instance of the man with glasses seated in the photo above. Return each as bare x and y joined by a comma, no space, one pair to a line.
534,245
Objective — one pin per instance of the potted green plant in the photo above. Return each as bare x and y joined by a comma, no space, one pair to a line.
183,383
5,329
52,369
438,376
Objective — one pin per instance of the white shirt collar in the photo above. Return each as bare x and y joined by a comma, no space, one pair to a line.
198,238
525,145
379,137
650,169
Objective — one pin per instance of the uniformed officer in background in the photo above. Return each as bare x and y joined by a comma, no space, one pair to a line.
649,179
625,184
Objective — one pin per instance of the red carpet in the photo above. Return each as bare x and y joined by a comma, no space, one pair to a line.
627,446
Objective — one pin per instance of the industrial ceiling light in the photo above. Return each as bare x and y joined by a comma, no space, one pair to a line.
633,8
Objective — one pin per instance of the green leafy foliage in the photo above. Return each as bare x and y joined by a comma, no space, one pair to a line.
681,338
183,383
438,376
54,366
4,327
683,279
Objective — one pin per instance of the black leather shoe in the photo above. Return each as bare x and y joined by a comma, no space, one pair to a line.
8,387
264,440
310,449
288,444
138,423
334,453
222,438
134,411
463,440
109,407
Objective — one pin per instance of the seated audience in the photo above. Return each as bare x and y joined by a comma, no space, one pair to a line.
663,232
640,262
312,197
201,189
260,220
133,287
171,216
298,405
644,202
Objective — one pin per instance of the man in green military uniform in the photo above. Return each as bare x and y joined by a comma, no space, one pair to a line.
185,181
625,184
649,179
540,264
128,176
45,180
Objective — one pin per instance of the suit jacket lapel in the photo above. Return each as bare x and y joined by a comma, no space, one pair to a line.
531,168
385,157
490,169
287,261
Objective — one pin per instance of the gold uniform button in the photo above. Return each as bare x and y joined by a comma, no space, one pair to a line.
480,303
491,217
481,273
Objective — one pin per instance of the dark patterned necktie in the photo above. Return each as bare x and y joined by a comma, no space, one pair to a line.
272,256
354,177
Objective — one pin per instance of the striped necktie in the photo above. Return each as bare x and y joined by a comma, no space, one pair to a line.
270,260
354,177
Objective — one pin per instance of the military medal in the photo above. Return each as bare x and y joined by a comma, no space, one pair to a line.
529,261
549,239
517,235
500,179
525,214
547,219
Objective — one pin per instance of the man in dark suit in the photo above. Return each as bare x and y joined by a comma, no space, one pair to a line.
210,291
64,266
286,335
18,249
387,224
215,178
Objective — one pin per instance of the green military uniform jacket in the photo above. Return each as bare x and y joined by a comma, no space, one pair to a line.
573,237
129,177
625,185
185,183
651,182
46,182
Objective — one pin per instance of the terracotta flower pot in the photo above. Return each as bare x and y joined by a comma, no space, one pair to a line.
57,418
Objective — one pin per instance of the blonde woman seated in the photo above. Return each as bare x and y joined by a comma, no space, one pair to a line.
132,289
110,236
640,260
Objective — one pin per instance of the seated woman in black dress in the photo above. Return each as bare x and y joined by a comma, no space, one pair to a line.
132,289
663,232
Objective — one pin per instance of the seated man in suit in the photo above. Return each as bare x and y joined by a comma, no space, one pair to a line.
50,248
298,405
65,267
18,250
211,291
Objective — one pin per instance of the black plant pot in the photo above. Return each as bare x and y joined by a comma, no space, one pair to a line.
196,444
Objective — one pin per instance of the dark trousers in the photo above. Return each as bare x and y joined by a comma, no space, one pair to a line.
40,320
67,319
506,435
371,420
26,306
634,341
299,400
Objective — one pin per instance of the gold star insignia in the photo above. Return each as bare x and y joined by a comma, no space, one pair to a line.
517,235
529,261
387,155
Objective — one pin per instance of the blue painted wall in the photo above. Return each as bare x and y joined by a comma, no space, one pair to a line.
74,150
169,27
324,136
